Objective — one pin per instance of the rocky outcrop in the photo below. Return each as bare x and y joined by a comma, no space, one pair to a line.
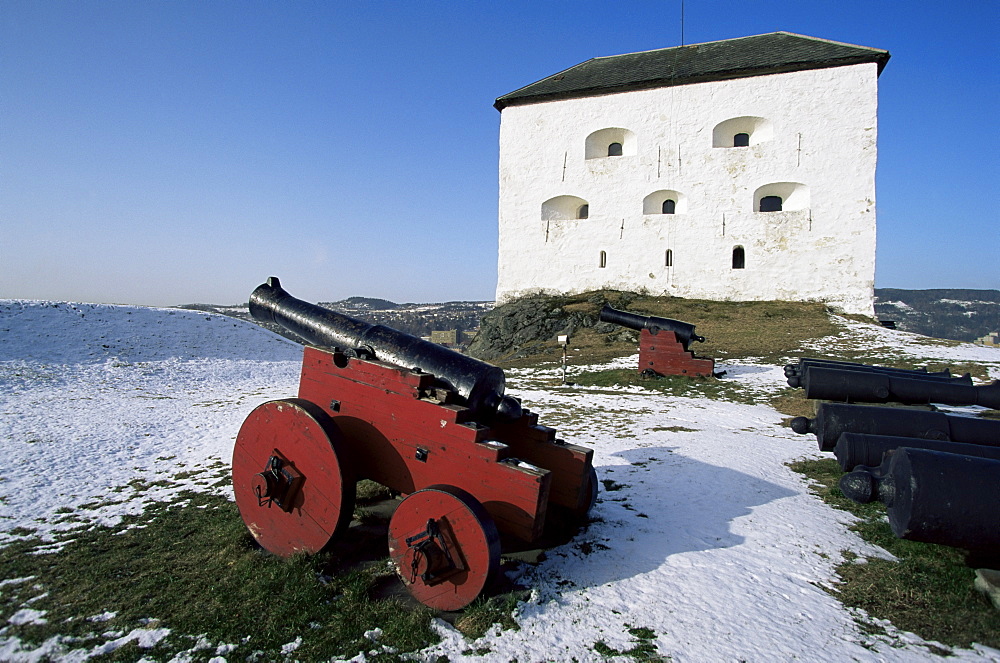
528,326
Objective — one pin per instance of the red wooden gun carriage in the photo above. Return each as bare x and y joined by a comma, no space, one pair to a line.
663,344
427,422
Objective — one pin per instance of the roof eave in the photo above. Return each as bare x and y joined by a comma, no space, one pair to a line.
503,102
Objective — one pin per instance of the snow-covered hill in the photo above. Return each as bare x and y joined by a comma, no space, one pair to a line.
960,314
710,541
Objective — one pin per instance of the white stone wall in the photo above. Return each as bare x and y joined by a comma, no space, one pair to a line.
813,142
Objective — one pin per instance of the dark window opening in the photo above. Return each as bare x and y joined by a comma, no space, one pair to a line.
770,204
669,206
583,212
604,259
741,140
615,150
739,259
670,258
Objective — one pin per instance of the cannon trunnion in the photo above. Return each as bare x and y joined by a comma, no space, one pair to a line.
474,472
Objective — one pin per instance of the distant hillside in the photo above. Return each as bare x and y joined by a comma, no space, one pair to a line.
415,319
361,304
961,315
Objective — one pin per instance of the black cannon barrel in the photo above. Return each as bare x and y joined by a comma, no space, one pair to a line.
791,369
834,419
865,387
805,362
683,330
855,449
935,497
824,370
479,383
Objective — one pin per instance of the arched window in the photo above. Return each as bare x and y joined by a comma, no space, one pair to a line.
610,142
604,259
562,208
583,212
739,258
736,132
665,201
781,197
670,258
770,204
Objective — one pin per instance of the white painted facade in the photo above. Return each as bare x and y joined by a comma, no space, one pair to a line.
812,142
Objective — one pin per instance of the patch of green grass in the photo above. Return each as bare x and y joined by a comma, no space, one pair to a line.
672,385
673,429
928,591
642,650
484,612
769,331
20,531
368,491
793,402
979,372
141,485
195,570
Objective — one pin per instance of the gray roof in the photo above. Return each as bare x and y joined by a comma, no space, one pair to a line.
772,53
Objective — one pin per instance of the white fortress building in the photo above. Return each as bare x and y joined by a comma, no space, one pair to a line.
733,170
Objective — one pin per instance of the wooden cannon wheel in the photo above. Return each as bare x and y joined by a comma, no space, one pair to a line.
445,546
292,486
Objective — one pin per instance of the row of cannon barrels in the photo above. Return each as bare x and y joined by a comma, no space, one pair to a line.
938,474
849,382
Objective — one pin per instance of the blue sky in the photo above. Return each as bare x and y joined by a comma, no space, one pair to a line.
175,152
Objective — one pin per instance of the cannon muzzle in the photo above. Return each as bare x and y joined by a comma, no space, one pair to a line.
934,496
479,383
798,374
683,330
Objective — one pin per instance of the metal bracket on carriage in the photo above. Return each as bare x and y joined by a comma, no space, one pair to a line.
441,395
360,352
278,483
432,558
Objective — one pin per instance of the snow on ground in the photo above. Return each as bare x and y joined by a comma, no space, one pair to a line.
702,535
907,346
93,397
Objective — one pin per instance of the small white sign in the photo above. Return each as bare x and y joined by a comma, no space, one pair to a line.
564,339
